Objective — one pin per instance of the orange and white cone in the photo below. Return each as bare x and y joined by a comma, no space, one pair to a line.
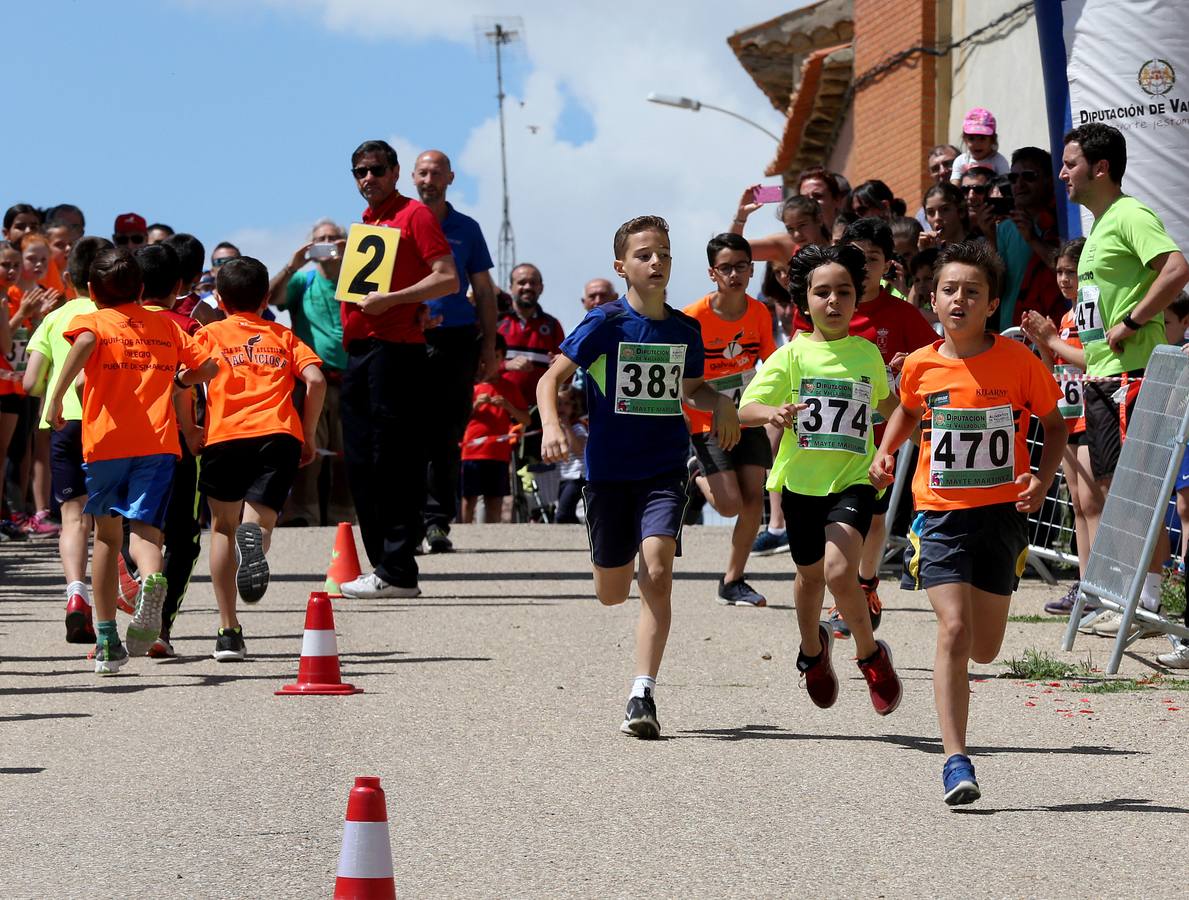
365,863
318,672
344,560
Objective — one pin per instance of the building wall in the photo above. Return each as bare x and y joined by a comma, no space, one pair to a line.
1000,71
894,116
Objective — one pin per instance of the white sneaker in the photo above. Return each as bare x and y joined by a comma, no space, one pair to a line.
1176,659
1108,626
372,587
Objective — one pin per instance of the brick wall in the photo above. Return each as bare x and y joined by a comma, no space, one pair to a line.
894,115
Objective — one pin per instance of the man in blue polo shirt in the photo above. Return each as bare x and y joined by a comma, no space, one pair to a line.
461,343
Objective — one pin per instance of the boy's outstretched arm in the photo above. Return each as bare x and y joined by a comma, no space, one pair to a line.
702,396
80,352
555,440
315,383
901,424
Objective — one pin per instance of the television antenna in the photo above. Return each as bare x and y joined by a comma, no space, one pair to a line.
500,32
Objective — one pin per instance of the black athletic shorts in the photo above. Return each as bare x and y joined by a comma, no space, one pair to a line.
10,404
485,478
985,547
753,449
260,469
1104,428
807,517
68,478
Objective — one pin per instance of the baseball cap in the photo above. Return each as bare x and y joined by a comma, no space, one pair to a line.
979,121
130,223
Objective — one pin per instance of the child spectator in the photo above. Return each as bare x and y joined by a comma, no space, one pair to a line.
486,451
255,440
973,393
48,349
131,358
12,394
571,416
981,143
641,357
823,388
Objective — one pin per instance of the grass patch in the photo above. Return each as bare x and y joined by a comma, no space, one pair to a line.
1038,665
1038,620
1172,595
1124,685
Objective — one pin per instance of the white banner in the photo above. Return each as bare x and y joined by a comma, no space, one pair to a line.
1128,66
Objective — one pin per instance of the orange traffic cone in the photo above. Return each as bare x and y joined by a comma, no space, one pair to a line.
344,560
318,671
365,863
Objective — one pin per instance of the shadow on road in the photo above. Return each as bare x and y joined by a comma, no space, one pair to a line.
36,717
1121,804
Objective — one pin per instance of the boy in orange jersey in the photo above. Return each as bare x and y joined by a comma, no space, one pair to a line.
973,394
255,440
737,336
132,359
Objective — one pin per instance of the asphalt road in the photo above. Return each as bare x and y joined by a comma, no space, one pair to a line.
491,713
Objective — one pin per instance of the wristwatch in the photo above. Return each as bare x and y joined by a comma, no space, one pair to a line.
1131,323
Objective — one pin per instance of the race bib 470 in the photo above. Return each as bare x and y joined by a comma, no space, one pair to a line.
648,379
972,448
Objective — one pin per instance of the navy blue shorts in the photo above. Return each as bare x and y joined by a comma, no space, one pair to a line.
135,487
1182,481
985,547
67,476
485,478
261,469
620,514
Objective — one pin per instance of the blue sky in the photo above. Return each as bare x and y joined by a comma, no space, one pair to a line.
235,120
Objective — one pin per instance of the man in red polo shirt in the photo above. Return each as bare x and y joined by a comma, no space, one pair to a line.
383,403
532,334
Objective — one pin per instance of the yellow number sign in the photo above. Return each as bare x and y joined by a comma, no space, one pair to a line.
367,262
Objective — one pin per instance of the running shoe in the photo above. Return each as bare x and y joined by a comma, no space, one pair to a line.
438,540
39,527
767,543
1064,606
838,624
161,649
251,573
127,589
957,780
372,587
1177,658
883,684
739,593
229,645
640,720
1109,625
694,467
110,656
12,531
146,623
874,606
79,627
818,672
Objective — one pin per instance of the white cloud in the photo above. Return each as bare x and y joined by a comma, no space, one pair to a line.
566,200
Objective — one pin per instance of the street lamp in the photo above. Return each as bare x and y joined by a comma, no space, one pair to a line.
695,105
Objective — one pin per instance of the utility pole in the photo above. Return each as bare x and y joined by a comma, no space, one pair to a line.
500,35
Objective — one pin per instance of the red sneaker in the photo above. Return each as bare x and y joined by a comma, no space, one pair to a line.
128,588
820,680
79,627
883,684
39,526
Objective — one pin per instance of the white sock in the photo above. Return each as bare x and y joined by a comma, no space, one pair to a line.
779,532
77,587
1149,597
641,684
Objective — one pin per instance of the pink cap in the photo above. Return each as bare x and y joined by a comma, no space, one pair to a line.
979,121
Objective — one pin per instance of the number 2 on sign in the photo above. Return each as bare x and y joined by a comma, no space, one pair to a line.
368,261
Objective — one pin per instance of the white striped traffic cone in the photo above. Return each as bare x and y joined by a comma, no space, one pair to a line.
365,863
318,671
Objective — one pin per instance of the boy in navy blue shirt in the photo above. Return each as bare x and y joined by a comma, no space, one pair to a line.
642,358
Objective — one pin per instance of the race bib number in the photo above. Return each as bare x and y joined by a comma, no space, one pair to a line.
18,356
1086,317
972,448
1069,379
836,415
367,264
648,379
733,385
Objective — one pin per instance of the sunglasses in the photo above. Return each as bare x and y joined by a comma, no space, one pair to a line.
124,239
976,188
360,172
215,263
1026,175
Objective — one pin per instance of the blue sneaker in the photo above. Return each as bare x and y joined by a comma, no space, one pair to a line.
767,543
957,779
